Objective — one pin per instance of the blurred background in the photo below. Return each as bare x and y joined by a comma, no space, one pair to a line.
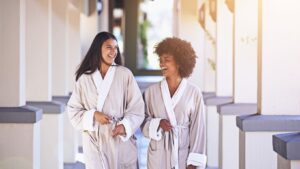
247,68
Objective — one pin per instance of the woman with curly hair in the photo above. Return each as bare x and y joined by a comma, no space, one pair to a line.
175,117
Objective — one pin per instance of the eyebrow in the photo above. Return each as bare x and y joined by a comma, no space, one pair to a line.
111,45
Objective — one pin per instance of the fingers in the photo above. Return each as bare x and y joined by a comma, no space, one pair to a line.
115,132
118,130
105,119
165,125
101,117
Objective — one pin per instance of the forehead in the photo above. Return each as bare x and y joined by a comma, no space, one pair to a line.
166,56
110,42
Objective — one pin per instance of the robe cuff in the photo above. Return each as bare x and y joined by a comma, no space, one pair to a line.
197,159
154,132
128,130
88,120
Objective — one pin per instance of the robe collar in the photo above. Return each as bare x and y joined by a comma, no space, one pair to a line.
103,84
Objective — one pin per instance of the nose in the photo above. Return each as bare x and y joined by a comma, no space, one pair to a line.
113,51
161,64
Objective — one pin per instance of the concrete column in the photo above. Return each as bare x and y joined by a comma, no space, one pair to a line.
65,52
219,59
278,82
73,43
131,34
70,134
212,128
287,147
12,48
224,57
88,25
189,29
245,51
103,18
286,163
60,64
38,50
73,59
279,73
39,81
209,52
19,124
229,133
244,79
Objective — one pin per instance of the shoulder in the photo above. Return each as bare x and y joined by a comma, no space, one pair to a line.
84,78
153,88
194,89
124,70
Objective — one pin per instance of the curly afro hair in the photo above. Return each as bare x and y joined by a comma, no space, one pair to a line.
181,50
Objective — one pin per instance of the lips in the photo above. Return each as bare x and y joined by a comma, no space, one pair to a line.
164,68
111,56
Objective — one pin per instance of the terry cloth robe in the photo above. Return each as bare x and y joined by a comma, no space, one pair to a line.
185,143
118,96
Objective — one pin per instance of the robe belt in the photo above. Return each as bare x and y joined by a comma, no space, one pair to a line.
114,121
171,139
169,136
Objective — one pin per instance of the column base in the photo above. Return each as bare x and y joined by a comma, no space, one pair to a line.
51,134
20,146
255,138
212,128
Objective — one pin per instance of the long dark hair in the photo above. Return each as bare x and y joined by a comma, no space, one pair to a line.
93,58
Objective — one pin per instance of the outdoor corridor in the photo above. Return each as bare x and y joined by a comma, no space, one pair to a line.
247,68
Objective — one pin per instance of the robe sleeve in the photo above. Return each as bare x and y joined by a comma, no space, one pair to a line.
80,118
197,155
134,110
150,127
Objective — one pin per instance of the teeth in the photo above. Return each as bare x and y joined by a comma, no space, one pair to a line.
163,68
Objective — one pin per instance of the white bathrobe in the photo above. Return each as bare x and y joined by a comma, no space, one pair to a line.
118,96
185,144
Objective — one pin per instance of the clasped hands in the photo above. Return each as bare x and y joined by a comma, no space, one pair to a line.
105,119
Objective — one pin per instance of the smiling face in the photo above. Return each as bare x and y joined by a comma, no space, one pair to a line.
168,66
109,51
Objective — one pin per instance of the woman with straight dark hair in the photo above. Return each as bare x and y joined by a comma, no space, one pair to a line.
107,106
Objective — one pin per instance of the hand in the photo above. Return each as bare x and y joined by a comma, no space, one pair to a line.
165,125
190,167
101,117
118,130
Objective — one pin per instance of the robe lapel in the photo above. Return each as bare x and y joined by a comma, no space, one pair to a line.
103,85
170,104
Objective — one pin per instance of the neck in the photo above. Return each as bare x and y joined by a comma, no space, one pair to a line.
103,69
173,83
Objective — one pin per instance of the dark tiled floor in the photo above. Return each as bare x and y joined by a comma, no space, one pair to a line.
77,165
